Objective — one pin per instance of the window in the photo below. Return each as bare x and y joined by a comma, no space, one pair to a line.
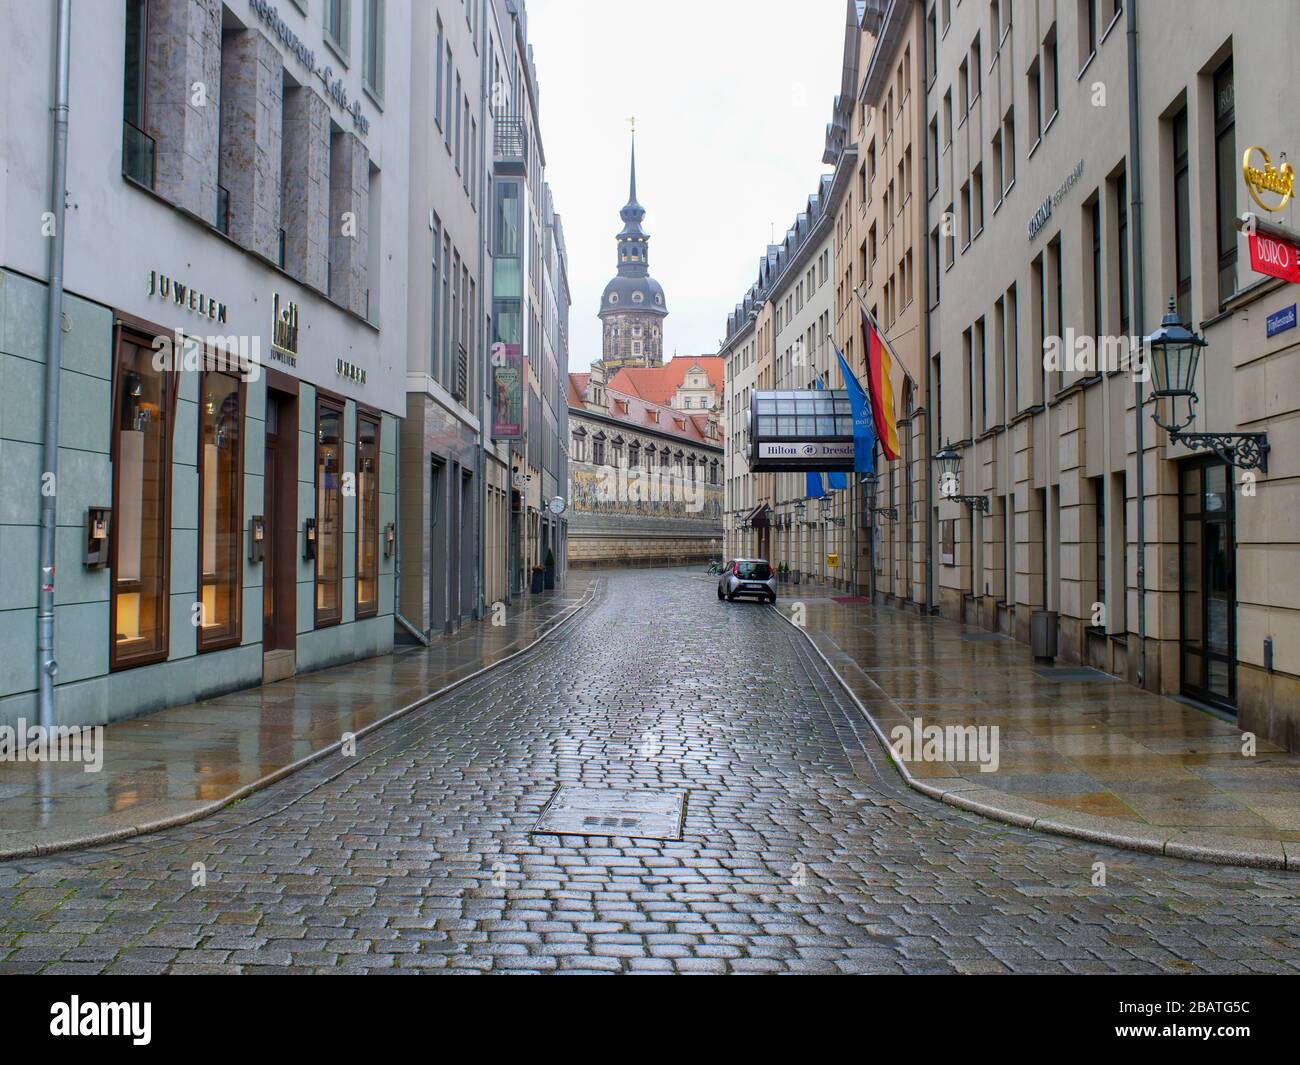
455,103
372,60
1099,505
1120,186
221,446
144,399
437,78
452,108
1051,73
1056,263
1098,278
932,158
1039,311
329,512
977,199
1182,219
1036,103
1013,351
947,119
1225,202
1008,151
975,76
367,515
338,19
1087,32
137,145
997,170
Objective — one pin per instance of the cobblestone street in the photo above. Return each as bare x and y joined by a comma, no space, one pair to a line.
802,850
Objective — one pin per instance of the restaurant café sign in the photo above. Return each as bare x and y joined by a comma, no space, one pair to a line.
1267,181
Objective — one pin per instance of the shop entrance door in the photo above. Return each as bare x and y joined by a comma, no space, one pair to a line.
1207,587
280,520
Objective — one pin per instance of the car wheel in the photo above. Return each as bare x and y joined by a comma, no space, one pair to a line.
730,598
772,599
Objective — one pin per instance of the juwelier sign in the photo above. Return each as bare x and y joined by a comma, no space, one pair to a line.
167,288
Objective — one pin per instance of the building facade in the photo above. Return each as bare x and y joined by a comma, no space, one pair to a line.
228,387
646,477
1106,199
280,313
1047,177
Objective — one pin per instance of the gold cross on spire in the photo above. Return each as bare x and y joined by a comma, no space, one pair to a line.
632,122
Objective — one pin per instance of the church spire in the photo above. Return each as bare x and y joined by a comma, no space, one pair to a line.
631,196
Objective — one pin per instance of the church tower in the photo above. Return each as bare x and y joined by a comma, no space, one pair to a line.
632,307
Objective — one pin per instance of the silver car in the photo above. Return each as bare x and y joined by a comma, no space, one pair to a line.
747,576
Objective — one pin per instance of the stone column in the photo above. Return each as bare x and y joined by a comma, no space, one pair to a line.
304,186
252,76
183,101
349,221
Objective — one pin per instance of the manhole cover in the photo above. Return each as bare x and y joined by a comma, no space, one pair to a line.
613,812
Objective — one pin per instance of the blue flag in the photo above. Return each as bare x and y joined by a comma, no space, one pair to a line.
814,489
864,433
838,482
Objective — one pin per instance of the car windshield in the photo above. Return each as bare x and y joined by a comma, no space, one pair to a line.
753,571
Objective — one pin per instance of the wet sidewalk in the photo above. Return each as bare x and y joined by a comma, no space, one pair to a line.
1080,753
178,764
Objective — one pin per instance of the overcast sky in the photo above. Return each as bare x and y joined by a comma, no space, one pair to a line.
731,101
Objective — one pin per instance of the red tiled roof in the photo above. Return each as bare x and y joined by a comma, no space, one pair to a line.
577,386
658,384
636,412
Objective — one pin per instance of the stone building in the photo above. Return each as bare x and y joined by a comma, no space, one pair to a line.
232,350
632,307
646,478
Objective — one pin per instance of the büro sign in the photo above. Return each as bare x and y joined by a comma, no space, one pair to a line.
1273,257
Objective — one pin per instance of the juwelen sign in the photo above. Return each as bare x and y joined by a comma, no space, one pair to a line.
1274,257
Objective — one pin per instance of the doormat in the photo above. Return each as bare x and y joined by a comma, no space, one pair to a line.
575,811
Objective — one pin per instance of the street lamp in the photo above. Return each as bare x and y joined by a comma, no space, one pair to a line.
871,483
1175,354
948,459
801,509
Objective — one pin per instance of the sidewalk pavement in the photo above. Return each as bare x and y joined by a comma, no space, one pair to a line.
1082,753
182,763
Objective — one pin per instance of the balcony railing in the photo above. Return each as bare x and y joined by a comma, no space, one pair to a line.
460,386
511,140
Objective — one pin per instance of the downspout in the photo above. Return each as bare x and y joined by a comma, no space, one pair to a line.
1135,228
46,666
925,348
485,103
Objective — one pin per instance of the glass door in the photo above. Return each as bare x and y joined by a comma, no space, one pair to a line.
1208,583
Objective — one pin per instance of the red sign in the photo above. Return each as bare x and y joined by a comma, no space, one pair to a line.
1276,258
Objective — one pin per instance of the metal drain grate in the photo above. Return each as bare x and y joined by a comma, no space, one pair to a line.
1084,674
575,811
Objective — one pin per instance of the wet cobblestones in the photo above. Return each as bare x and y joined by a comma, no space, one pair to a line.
803,852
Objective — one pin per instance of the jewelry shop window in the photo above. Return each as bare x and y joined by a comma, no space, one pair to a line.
329,512
143,404
220,508
367,516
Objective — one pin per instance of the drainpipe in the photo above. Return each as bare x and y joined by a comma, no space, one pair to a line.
1135,228
46,667
485,102
925,354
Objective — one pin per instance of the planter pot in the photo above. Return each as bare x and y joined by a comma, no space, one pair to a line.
549,580
538,578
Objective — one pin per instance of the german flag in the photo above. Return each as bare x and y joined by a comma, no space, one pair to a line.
879,367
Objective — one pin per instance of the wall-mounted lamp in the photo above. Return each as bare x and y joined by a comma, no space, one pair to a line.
256,538
948,459
309,539
390,539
